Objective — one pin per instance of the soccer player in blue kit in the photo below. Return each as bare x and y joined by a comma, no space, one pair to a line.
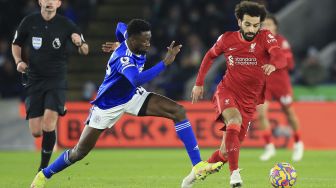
121,92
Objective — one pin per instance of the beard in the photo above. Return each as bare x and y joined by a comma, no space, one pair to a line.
249,36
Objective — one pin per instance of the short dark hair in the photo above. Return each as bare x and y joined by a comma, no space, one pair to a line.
273,18
250,8
137,26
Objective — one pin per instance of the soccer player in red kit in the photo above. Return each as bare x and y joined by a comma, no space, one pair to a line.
251,55
279,88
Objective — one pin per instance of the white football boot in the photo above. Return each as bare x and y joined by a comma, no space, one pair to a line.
268,153
189,180
298,151
235,179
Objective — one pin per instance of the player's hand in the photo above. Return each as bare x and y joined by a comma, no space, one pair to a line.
22,67
171,54
268,68
76,39
109,47
197,93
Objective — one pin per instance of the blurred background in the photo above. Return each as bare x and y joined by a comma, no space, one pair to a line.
308,25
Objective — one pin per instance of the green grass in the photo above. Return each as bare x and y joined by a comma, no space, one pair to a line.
160,168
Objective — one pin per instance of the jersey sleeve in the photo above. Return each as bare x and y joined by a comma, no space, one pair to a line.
285,46
73,28
218,47
21,33
269,40
207,61
124,63
121,32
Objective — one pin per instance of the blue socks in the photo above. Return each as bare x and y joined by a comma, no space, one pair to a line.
186,135
58,165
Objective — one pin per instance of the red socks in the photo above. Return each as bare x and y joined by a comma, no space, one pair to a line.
296,136
217,156
232,144
267,134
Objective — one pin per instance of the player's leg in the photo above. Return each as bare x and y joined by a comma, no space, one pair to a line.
298,148
160,106
266,131
219,155
35,111
54,101
49,122
86,142
233,121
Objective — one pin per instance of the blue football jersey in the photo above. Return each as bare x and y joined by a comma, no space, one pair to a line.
116,89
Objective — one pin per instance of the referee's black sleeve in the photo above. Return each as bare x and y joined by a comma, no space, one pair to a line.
21,32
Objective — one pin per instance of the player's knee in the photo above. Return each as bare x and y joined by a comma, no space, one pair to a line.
49,125
261,116
37,134
179,113
237,120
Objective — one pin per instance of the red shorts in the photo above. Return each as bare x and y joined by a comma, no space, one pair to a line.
225,98
281,92
279,88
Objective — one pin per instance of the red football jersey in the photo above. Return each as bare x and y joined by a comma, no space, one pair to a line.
281,75
278,84
244,75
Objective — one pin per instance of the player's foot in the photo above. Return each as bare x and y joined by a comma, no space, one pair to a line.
235,179
203,169
189,180
199,172
298,151
268,153
39,181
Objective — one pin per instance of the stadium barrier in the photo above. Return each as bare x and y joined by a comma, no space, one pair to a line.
317,120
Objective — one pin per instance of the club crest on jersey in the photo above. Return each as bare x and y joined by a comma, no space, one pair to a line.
56,43
252,47
125,61
37,42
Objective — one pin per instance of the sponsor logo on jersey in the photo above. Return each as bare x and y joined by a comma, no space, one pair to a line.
56,43
231,49
271,38
37,42
231,62
250,61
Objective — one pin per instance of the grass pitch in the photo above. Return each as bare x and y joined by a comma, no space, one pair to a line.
161,168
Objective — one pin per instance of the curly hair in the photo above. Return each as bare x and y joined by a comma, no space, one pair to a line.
137,26
250,8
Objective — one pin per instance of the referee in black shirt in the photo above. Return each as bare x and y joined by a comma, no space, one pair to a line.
46,34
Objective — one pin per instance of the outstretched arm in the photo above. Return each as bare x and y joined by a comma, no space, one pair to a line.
198,91
137,79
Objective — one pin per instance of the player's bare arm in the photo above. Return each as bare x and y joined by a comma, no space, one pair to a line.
83,47
197,93
109,47
21,66
171,54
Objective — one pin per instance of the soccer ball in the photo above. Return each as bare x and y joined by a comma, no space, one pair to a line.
283,175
